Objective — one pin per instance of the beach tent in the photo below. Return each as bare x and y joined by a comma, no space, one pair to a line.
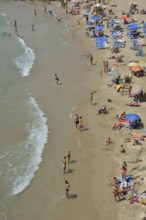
133,117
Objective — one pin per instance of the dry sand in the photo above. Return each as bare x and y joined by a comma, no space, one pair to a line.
98,164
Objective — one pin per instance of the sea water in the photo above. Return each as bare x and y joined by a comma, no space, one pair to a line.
25,126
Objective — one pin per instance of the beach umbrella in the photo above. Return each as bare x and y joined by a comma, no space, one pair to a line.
89,23
135,91
132,24
131,64
101,27
95,17
133,117
136,68
97,5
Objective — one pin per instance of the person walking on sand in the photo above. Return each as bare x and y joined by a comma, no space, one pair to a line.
76,120
69,156
81,123
105,66
91,98
57,79
124,170
91,58
67,189
64,162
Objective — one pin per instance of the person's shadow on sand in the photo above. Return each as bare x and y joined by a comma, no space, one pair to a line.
73,161
73,196
69,171
59,83
84,129
95,103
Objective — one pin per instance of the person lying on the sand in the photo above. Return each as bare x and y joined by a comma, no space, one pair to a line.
117,126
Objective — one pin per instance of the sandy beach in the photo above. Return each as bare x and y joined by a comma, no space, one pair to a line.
96,164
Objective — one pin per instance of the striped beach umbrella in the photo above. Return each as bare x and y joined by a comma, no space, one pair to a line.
135,91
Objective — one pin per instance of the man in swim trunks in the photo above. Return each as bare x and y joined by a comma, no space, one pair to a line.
67,189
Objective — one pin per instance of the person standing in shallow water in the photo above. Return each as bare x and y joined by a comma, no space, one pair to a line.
45,8
35,13
15,25
67,189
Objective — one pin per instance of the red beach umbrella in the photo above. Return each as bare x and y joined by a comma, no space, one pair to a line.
124,17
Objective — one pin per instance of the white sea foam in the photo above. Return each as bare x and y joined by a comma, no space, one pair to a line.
33,146
25,61
3,14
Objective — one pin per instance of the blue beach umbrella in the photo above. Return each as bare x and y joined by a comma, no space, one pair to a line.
101,27
95,18
133,117
89,23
